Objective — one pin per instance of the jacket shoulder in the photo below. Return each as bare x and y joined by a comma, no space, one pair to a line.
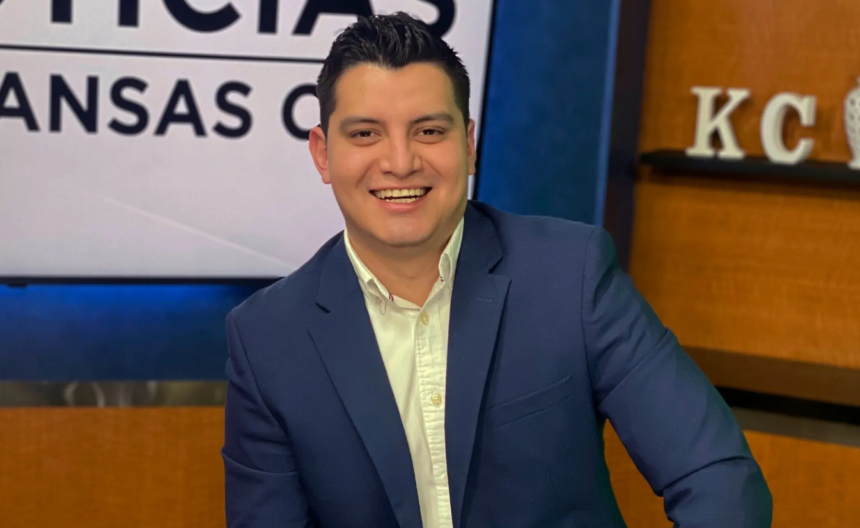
539,236
289,296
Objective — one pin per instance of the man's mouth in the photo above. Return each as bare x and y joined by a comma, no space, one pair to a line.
401,195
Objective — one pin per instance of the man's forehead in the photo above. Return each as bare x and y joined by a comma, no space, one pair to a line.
374,85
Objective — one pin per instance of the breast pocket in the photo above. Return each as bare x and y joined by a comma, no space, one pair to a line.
533,403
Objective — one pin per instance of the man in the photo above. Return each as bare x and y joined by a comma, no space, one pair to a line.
441,363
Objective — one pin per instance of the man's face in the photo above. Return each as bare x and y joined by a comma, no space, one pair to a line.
398,155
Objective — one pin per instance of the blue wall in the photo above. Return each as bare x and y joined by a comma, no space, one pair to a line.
546,128
115,332
561,121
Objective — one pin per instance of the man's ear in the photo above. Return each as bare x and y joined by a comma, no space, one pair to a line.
471,149
319,152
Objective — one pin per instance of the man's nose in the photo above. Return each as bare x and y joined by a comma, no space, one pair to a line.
400,159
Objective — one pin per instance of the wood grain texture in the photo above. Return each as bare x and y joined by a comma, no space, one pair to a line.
812,483
752,267
740,264
103,468
94,468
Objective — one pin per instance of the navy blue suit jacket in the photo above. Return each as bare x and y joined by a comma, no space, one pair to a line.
548,340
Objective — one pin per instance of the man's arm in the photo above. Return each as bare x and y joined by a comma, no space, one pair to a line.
261,481
676,427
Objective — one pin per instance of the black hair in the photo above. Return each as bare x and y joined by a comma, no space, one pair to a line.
390,41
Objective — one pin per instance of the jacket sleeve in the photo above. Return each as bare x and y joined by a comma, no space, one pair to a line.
674,424
262,486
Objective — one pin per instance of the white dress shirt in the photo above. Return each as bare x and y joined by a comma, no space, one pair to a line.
413,341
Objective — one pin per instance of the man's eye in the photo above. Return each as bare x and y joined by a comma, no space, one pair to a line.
363,134
430,132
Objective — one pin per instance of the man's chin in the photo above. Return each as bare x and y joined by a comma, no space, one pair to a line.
405,242
404,238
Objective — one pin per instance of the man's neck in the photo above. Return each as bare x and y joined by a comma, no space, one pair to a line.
408,273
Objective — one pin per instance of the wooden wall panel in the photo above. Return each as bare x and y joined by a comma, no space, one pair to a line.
740,264
753,267
103,468
812,483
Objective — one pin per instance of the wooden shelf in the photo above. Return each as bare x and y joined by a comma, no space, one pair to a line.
781,377
810,171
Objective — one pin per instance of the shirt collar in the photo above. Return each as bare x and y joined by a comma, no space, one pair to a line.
373,287
448,260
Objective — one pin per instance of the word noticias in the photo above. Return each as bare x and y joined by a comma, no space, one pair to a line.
267,14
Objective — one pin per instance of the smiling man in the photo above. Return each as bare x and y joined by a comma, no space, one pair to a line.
444,364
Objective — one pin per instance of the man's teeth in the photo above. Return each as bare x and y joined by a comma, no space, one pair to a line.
400,195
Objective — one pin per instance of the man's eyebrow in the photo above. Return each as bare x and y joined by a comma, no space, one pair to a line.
357,120
351,121
441,116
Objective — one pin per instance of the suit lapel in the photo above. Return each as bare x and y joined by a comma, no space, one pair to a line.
477,304
347,344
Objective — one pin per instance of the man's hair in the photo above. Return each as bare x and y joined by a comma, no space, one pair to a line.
389,41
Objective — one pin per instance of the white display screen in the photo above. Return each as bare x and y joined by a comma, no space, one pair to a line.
183,157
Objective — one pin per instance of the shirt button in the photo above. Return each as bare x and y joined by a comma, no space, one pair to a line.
436,399
425,319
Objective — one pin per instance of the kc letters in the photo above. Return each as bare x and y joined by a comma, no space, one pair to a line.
711,122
